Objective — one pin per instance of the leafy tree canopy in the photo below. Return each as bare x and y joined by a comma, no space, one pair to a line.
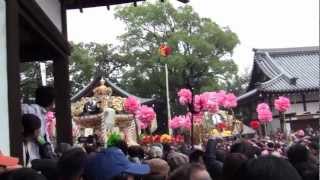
201,50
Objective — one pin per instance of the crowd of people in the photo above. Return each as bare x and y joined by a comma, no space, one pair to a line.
268,158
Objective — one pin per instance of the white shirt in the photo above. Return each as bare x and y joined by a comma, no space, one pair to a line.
32,149
38,111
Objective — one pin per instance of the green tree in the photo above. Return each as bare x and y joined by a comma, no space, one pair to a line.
90,60
201,50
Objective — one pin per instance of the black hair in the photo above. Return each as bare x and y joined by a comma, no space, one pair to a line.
308,170
298,153
136,151
232,165
245,148
195,156
30,123
185,172
72,163
45,96
268,168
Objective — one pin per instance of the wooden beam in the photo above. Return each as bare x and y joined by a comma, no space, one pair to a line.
304,102
63,107
45,25
13,70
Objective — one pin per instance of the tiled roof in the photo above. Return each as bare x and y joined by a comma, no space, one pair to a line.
94,83
288,70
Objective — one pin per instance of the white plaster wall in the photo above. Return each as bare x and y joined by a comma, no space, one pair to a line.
313,107
297,108
53,10
4,117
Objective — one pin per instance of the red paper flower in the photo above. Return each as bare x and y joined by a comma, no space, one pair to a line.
254,124
165,50
221,126
156,138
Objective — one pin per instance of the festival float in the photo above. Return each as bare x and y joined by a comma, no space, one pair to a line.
104,114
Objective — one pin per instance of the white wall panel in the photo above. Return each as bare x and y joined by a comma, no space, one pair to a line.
4,120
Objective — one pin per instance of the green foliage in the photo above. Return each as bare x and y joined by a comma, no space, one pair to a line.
91,60
201,50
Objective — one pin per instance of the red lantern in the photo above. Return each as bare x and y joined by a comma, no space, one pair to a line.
255,124
165,50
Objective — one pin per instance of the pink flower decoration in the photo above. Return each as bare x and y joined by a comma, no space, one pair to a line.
230,101
180,122
282,104
174,123
131,104
221,97
185,96
142,125
186,123
50,124
212,106
198,118
263,106
145,114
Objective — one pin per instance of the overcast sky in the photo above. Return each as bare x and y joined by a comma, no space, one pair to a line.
258,23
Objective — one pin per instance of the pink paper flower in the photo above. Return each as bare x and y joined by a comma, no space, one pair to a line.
221,97
198,118
282,104
145,114
180,122
50,124
185,96
230,101
212,106
263,106
142,125
131,104
264,113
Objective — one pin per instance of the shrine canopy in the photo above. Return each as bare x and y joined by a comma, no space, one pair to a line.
88,91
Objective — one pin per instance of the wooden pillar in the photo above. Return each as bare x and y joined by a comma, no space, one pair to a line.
63,107
13,72
304,103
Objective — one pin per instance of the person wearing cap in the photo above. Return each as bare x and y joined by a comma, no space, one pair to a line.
111,164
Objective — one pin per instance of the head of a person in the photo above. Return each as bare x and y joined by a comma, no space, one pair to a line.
308,170
232,165
136,151
111,164
298,153
45,97
159,169
176,159
196,156
71,164
268,168
245,148
193,171
31,125
156,152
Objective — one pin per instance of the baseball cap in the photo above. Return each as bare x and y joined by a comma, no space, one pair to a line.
112,162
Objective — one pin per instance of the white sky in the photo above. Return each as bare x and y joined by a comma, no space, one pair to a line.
258,23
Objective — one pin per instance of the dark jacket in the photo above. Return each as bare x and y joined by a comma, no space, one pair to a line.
213,166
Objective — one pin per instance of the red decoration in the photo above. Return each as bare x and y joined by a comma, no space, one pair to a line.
255,124
221,126
165,50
